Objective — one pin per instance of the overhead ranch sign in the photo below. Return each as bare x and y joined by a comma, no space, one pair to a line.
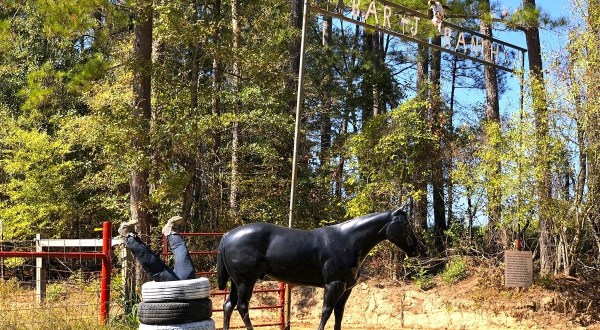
412,25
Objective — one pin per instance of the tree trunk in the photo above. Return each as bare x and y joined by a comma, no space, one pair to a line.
296,13
192,186
156,122
470,213
339,171
325,117
234,202
215,184
492,115
437,170
420,178
540,109
575,246
592,111
367,84
194,75
377,106
188,199
449,183
340,168
142,115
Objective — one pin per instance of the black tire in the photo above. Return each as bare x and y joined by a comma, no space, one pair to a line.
174,312
198,288
202,325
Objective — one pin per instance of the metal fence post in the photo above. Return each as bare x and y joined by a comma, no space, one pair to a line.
105,278
282,290
1,249
40,272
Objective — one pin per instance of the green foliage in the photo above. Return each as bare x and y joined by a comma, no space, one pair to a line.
45,168
56,291
534,16
39,186
14,262
66,124
457,236
425,281
422,277
513,149
129,320
385,153
455,270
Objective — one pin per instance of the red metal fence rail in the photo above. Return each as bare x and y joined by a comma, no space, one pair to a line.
280,290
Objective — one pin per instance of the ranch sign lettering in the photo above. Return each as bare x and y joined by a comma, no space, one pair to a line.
414,26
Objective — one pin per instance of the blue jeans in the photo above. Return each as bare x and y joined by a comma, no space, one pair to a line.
153,264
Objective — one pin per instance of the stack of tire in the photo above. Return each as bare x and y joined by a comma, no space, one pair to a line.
176,305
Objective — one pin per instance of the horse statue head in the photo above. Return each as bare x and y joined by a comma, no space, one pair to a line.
400,232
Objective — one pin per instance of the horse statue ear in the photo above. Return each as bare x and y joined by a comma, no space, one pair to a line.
398,212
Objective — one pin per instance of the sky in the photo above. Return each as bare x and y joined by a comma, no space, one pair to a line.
551,41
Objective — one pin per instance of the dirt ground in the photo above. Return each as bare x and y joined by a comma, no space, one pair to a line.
473,303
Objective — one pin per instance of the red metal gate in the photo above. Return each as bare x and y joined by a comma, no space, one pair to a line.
104,256
279,307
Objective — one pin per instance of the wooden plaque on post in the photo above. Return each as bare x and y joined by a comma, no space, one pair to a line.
518,269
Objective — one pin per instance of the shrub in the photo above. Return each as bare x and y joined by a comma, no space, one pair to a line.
425,281
56,291
455,270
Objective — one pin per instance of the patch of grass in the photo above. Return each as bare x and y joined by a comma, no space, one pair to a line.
7,288
67,306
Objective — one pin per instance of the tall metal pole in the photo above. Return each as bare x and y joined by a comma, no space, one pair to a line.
299,102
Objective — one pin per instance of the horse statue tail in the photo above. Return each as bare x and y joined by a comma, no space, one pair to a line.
222,274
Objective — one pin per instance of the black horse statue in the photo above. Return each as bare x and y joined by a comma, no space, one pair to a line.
328,257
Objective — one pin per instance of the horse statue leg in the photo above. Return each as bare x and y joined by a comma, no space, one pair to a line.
244,293
333,292
229,305
338,311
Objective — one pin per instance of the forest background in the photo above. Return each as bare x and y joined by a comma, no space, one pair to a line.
118,110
